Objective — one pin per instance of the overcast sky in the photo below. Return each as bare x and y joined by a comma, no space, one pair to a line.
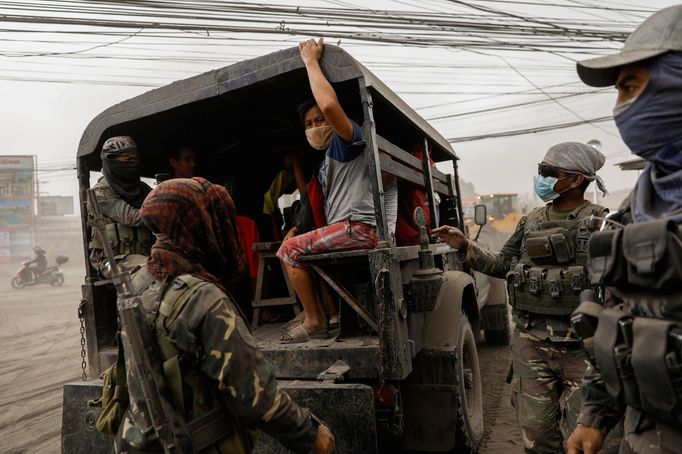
55,77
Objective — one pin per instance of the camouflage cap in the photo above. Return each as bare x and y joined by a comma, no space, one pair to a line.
660,33
119,146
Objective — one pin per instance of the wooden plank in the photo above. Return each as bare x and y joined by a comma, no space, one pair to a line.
347,297
407,158
273,302
401,170
398,153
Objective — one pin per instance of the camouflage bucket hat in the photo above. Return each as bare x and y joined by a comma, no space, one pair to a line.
660,33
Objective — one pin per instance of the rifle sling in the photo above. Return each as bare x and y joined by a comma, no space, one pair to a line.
209,428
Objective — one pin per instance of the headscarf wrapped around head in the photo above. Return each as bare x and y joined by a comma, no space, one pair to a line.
195,225
579,158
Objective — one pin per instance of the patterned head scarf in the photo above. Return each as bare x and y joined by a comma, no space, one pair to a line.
195,225
579,158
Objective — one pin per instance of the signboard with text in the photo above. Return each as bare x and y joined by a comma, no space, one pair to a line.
17,206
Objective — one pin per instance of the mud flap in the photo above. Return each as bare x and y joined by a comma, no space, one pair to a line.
430,422
78,420
347,408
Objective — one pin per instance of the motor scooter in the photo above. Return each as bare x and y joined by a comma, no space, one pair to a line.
24,277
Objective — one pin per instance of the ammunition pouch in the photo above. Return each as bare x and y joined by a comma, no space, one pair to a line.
114,400
645,256
551,291
553,246
613,352
657,364
110,234
640,360
584,321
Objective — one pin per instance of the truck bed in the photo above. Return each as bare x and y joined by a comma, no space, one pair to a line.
307,360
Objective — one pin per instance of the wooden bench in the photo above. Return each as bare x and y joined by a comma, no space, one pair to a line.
267,252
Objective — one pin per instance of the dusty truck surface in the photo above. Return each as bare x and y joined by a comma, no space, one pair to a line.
402,371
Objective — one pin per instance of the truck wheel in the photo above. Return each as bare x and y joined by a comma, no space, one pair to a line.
469,429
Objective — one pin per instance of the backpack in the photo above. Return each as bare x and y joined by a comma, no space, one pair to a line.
162,302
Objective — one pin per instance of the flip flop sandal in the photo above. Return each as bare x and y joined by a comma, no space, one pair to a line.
297,320
333,322
299,335
290,324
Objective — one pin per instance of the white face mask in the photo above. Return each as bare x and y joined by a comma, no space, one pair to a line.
320,137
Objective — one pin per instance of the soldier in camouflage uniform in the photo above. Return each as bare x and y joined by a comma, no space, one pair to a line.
543,262
207,348
637,344
120,194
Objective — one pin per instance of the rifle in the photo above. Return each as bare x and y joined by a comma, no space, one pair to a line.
144,358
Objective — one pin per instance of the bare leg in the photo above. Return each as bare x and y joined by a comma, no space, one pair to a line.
302,282
330,307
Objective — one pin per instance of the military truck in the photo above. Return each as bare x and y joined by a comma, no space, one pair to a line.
403,371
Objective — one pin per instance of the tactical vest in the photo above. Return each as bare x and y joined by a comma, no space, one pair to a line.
212,427
124,239
551,273
638,343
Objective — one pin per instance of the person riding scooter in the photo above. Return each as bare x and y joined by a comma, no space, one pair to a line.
36,266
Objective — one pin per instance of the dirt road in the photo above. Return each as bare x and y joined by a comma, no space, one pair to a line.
39,335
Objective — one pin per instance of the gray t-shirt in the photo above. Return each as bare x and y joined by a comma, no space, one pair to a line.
345,182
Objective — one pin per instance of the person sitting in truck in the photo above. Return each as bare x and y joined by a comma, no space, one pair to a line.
223,378
120,194
348,198
410,197
183,160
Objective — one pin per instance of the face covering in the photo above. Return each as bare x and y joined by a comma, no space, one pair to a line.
620,108
650,124
320,137
544,188
124,178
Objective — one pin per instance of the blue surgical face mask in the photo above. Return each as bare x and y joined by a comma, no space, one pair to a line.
650,124
544,188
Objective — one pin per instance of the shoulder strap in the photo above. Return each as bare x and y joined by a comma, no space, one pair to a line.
173,299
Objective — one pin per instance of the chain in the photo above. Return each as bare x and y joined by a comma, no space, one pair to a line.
81,316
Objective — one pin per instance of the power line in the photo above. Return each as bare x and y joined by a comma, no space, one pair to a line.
518,132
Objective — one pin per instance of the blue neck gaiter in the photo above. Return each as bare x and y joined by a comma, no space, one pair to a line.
652,125
652,128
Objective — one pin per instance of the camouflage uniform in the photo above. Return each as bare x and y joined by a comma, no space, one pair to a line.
127,233
548,361
220,367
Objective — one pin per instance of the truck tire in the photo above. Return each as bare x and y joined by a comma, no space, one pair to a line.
497,322
469,429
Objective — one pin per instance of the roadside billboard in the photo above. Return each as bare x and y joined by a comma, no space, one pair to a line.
56,205
17,206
